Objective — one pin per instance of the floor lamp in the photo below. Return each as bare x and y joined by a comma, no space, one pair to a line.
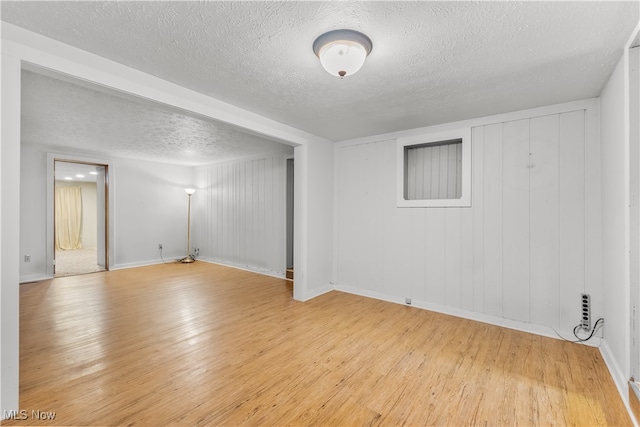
189,258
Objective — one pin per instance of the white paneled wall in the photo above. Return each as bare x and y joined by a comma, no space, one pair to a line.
240,213
517,253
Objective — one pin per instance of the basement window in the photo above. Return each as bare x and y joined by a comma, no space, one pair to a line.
434,170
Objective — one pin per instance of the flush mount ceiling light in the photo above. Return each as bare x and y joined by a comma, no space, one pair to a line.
342,52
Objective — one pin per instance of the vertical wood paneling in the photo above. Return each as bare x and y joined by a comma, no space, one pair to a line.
279,186
270,203
593,215
572,216
413,184
458,191
426,176
434,172
452,170
217,220
244,213
395,274
210,209
466,259
344,247
544,220
477,207
444,172
236,219
518,252
224,206
435,262
453,257
364,237
372,183
226,217
250,238
493,219
258,220
231,202
231,215
515,220
418,273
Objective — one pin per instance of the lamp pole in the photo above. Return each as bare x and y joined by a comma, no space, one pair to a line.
189,258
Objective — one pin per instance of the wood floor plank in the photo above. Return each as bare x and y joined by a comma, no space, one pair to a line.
204,345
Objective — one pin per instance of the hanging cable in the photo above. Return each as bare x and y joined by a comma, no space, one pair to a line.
593,331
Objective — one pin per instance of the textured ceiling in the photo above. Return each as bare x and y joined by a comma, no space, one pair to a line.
61,114
432,62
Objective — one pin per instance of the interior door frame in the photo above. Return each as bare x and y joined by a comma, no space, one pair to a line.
632,95
289,197
52,158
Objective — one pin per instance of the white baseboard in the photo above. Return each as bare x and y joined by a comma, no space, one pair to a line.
466,314
265,272
618,376
141,264
248,268
34,278
633,386
316,292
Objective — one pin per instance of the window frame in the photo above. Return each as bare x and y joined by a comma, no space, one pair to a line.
434,138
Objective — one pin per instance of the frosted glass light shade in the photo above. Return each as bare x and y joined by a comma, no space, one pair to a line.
342,58
189,191
342,52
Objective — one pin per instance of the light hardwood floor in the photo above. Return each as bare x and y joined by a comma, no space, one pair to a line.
202,344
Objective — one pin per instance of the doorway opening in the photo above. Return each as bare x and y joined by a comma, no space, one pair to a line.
289,225
80,229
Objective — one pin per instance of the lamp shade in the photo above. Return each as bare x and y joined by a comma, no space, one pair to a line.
342,52
189,191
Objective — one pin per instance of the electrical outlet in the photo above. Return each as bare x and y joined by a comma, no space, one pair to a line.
27,258
160,246
585,319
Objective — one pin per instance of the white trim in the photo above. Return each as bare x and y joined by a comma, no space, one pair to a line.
627,184
9,232
634,38
248,268
479,121
175,261
286,152
615,370
300,222
35,278
285,200
316,292
636,391
517,325
208,261
51,159
627,213
139,264
618,378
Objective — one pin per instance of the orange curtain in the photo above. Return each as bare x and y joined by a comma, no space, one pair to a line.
68,218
